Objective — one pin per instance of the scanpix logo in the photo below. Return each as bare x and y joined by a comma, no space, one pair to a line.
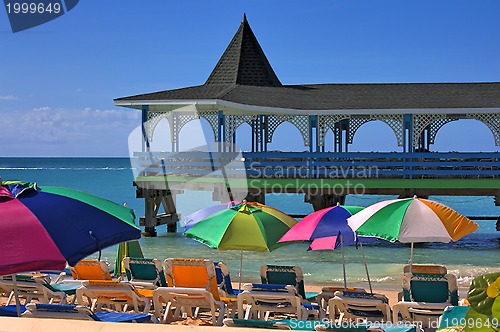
27,14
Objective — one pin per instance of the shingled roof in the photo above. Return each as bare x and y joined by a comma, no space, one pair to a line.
243,62
244,75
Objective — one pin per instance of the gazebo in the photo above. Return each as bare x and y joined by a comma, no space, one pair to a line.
243,88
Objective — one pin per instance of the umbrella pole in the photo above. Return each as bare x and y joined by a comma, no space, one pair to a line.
411,257
366,266
16,295
241,268
343,262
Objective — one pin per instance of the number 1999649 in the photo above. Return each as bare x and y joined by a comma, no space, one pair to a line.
33,7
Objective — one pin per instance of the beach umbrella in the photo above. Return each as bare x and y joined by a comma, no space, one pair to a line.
242,227
126,249
44,227
196,217
328,230
411,220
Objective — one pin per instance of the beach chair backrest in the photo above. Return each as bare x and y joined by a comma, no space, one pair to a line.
145,270
288,275
430,288
90,269
223,278
424,269
192,273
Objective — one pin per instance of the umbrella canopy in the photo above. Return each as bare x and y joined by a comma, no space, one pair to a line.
243,227
323,228
328,230
411,220
43,228
199,215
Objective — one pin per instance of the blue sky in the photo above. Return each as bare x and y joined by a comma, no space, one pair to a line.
58,80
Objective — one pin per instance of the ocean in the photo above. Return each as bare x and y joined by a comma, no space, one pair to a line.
111,178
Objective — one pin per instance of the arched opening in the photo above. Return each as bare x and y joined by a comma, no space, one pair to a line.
161,137
329,141
195,135
244,137
375,136
465,135
287,138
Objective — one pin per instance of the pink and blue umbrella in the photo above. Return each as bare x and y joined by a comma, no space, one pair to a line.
43,228
324,228
327,229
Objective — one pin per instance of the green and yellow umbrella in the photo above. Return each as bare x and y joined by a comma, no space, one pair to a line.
252,227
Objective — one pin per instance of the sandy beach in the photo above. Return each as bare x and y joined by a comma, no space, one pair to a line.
187,324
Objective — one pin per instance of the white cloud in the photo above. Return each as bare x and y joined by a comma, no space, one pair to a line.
9,98
45,131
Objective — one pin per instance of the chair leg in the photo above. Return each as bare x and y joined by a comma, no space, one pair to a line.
11,295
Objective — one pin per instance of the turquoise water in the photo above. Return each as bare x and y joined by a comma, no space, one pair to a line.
112,178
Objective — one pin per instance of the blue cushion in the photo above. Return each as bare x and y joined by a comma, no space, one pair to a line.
121,317
269,287
56,307
10,310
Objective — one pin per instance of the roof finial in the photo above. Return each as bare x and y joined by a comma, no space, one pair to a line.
244,20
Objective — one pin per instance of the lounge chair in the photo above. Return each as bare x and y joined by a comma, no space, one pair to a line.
224,280
354,306
187,298
112,292
288,275
29,289
255,324
68,311
454,317
197,279
145,272
263,299
425,296
329,292
90,269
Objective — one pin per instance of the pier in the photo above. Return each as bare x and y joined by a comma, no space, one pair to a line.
244,90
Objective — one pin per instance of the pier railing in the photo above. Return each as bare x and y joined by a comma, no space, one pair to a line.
318,165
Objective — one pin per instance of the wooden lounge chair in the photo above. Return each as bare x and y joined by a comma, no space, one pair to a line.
68,311
353,307
196,279
90,269
263,299
112,292
425,298
145,272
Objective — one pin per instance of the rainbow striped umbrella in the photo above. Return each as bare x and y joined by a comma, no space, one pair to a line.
43,228
252,227
411,220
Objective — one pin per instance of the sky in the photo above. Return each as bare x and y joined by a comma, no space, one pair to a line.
58,80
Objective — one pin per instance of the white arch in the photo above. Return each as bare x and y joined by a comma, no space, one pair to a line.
194,134
244,137
162,138
375,135
465,135
287,137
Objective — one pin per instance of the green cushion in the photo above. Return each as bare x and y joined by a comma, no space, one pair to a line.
429,291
